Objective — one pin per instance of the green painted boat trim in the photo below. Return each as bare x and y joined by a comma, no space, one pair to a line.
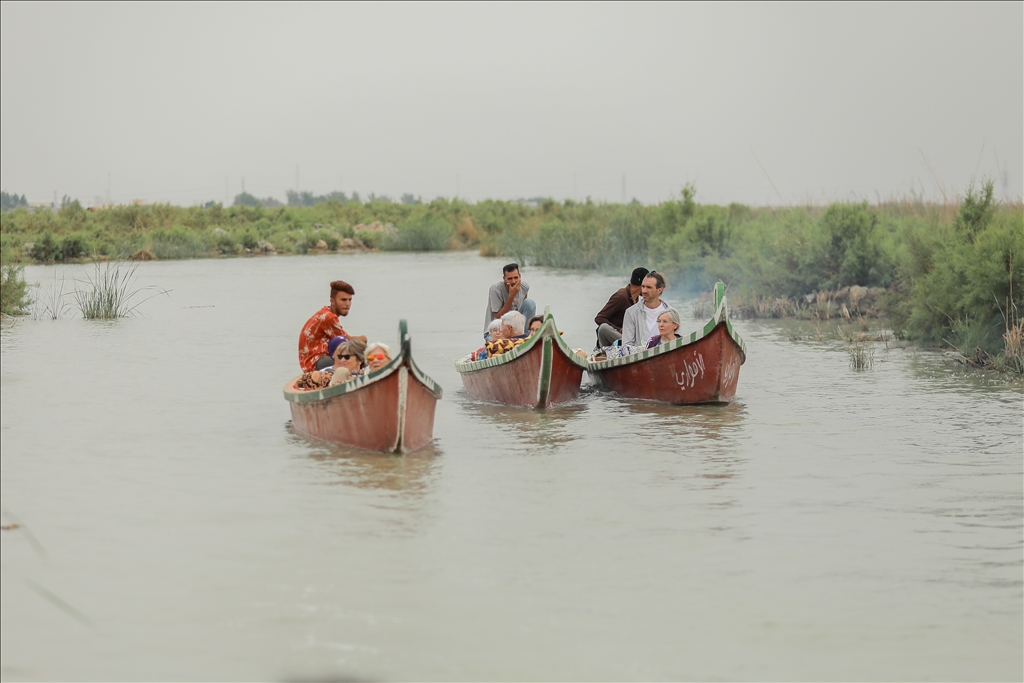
404,357
720,316
547,331
544,383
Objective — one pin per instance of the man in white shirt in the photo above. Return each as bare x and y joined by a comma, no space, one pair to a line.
640,322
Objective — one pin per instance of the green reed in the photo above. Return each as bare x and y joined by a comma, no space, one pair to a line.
53,304
110,291
860,353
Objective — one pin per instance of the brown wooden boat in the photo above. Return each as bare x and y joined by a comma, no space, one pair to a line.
701,368
389,410
539,373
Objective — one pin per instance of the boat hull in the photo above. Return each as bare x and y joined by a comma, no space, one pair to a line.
541,373
390,410
705,371
701,368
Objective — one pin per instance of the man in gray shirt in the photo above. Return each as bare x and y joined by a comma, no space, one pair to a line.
640,321
508,295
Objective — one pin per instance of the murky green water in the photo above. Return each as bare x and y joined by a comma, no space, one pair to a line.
827,525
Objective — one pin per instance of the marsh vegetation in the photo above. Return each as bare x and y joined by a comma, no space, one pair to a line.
110,291
941,272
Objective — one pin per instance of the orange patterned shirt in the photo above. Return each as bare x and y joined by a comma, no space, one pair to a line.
315,336
496,348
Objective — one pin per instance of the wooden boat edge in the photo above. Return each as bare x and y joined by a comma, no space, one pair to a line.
721,316
548,330
404,358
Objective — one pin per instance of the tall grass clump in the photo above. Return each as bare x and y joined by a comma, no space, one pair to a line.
53,305
109,291
1013,348
860,353
178,243
428,233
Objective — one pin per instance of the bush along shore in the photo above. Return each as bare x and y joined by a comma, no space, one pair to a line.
947,273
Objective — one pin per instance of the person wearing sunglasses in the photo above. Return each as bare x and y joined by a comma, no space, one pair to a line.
326,363
377,355
349,361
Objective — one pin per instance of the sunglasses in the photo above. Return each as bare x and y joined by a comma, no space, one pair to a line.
376,356
344,356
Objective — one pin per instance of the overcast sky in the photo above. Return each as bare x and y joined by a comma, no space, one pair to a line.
756,103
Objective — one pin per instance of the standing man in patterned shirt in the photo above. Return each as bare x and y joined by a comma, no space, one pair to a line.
317,332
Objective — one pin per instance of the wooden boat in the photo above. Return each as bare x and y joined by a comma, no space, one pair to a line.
539,373
389,410
701,368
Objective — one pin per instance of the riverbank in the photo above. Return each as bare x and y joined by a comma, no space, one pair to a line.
942,273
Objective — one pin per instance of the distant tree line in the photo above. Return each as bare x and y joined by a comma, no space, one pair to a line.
12,201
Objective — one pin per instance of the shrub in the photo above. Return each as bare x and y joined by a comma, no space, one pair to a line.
712,232
73,246
568,245
966,279
46,248
686,251
178,243
853,254
675,214
330,238
221,240
248,238
976,211
370,238
13,290
428,234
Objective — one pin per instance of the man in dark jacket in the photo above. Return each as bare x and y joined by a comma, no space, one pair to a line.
609,320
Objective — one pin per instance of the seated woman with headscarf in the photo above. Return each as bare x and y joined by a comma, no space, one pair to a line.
668,328
349,361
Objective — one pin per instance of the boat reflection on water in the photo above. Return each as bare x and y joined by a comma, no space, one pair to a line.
532,429
706,421
705,435
411,473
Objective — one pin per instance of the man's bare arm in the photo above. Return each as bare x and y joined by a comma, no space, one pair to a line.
509,302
